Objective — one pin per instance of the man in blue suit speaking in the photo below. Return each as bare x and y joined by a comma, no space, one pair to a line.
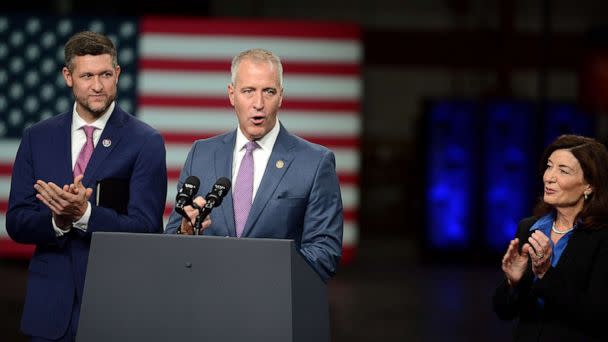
96,145
283,187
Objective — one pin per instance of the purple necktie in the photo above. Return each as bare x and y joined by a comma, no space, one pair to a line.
85,152
243,190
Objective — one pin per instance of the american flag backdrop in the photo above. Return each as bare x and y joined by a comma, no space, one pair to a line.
175,73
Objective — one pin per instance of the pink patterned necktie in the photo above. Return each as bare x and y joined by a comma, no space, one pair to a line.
85,152
243,190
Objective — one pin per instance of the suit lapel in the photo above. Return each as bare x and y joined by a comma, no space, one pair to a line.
63,141
112,133
223,168
278,164
572,245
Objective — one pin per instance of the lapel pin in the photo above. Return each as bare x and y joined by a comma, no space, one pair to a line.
280,164
106,142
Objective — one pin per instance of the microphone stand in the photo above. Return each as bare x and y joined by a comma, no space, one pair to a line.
198,224
199,219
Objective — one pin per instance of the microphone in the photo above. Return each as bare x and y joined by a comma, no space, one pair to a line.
214,199
186,194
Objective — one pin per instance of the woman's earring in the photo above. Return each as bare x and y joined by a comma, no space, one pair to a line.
586,196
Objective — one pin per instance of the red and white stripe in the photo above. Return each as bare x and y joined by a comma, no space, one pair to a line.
184,71
8,248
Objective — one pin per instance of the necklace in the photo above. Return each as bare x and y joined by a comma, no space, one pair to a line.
556,231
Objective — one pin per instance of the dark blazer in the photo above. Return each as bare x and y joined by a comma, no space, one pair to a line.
57,269
575,292
298,198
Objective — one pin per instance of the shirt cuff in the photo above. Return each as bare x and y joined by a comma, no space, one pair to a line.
58,231
83,222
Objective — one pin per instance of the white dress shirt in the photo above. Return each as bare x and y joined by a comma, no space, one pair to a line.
260,155
79,138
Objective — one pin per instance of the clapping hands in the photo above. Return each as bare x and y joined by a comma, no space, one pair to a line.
537,249
68,203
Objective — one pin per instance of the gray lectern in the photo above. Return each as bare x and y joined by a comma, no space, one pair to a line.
153,287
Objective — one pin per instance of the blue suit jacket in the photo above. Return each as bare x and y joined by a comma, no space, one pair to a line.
58,266
300,200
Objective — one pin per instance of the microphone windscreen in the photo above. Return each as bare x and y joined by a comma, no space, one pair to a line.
194,181
224,182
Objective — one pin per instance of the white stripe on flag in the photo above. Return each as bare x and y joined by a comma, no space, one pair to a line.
154,45
350,194
351,234
305,123
8,150
347,159
181,83
3,233
5,187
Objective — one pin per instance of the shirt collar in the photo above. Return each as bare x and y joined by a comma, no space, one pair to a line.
546,222
100,123
266,142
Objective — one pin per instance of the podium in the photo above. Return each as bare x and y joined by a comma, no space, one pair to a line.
155,287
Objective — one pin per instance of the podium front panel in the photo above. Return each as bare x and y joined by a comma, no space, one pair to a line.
154,287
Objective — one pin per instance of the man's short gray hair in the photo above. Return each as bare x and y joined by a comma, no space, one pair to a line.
257,55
